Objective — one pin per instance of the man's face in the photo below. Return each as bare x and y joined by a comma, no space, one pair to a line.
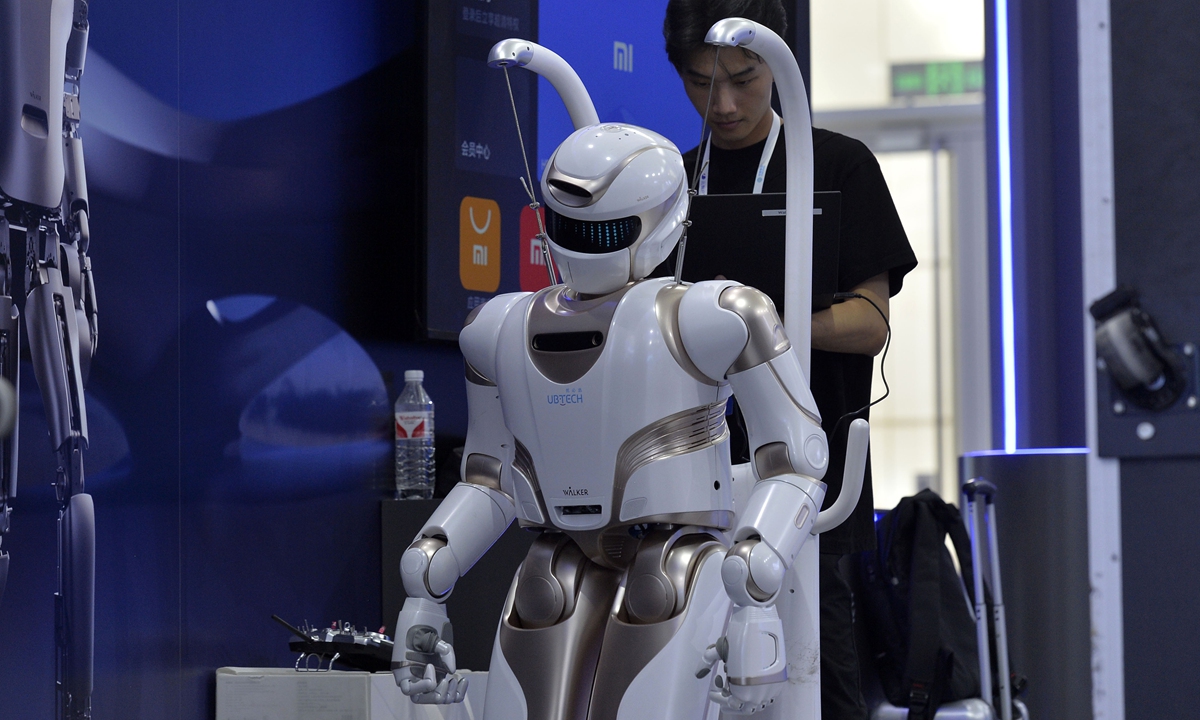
739,113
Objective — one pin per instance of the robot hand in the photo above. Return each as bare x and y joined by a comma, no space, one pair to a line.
755,661
423,659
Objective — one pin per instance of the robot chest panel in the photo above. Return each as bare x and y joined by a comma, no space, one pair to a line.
574,412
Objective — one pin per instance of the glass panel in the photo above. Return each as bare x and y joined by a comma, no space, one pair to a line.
913,443
857,44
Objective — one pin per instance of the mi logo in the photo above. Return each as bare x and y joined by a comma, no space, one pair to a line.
479,244
535,252
622,57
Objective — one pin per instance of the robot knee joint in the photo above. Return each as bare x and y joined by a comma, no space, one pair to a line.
662,574
549,582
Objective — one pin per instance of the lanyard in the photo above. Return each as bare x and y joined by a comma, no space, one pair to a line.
761,175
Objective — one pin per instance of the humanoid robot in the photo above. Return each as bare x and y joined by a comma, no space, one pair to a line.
45,274
597,416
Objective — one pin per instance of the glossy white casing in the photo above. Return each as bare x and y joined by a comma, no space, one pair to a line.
515,52
471,519
573,432
649,181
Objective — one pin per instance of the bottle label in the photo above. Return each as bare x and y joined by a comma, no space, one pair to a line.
412,425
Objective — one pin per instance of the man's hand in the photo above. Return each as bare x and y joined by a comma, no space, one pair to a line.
423,659
854,326
754,658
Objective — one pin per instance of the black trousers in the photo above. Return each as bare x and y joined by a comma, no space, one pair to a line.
841,688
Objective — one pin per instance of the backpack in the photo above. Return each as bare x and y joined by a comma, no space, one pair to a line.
919,620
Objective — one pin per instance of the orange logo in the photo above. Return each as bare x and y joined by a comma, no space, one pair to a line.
479,244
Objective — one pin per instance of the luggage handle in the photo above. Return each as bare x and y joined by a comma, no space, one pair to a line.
979,486
982,488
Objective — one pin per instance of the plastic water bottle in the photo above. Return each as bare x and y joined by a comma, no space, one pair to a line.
414,439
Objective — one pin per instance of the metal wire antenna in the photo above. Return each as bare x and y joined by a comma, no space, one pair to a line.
696,171
528,185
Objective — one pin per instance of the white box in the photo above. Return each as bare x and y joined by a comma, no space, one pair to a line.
284,694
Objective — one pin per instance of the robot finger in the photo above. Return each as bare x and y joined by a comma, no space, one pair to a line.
418,688
721,694
708,660
446,651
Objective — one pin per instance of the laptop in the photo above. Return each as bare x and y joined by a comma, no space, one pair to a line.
741,237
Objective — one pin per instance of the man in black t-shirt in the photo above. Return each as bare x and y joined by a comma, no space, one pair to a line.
744,153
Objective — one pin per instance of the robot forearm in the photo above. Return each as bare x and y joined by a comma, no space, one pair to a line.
464,526
776,523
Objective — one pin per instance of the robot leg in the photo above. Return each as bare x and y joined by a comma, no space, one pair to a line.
674,606
544,659
54,344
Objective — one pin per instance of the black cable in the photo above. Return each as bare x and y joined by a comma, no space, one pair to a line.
887,343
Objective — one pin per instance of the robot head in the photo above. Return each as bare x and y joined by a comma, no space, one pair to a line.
617,196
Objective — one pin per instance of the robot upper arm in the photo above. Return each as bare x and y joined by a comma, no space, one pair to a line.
732,332
727,328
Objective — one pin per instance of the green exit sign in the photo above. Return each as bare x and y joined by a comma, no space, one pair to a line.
937,79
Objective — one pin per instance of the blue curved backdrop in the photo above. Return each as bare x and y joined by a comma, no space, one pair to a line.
253,193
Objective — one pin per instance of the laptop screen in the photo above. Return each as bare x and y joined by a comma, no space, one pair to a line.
741,238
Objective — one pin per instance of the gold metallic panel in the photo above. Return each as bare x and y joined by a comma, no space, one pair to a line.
556,310
629,647
773,459
767,340
523,463
666,308
483,470
476,377
683,432
556,665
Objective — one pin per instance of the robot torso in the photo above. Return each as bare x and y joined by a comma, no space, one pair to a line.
613,425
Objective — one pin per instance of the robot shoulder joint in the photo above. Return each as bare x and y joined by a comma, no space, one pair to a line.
767,339
481,334
712,336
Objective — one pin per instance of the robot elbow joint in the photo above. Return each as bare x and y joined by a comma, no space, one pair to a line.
752,573
429,569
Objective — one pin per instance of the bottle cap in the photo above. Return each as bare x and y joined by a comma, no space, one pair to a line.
414,376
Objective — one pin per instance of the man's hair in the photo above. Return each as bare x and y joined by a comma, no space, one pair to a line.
688,21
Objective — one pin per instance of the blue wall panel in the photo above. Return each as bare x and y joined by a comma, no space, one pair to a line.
252,196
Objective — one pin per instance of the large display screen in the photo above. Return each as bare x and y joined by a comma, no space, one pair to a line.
474,200
617,49
480,230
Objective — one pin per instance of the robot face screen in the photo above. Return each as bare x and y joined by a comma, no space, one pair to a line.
593,236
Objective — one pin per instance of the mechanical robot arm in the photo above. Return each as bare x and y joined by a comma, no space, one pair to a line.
472,517
789,449
733,333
